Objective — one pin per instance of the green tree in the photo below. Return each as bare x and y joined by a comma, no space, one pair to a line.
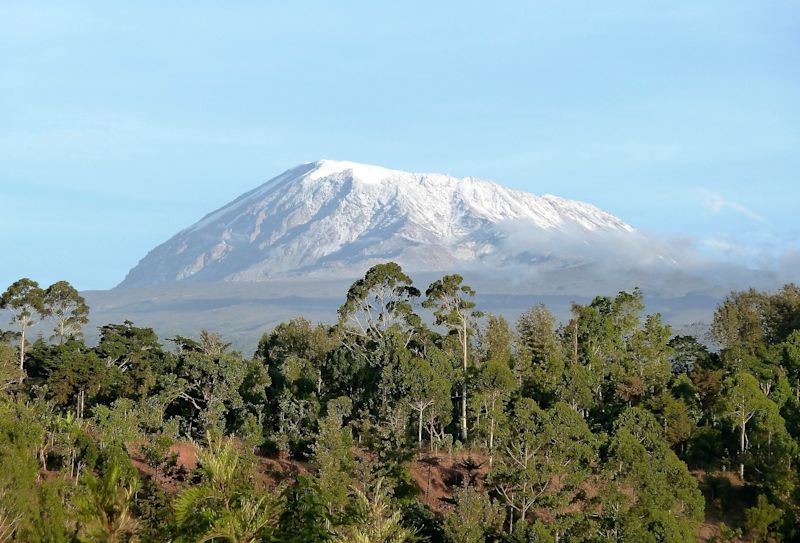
222,507
305,517
545,447
10,372
743,400
303,366
678,423
424,389
772,451
52,519
80,377
759,518
602,343
206,381
791,361
301,339
496,340
438,389
740,319
9,520
117,424
383,299
687,354
447,298
296,405
21,433
25,300
106,506
135,359
374,520
649,354
540,361
63,302
474,518
254,391
649,494
577,388
495,385
333,456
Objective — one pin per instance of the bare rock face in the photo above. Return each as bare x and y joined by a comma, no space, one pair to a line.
335,219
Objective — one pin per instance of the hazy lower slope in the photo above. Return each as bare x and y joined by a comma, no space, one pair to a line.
242,311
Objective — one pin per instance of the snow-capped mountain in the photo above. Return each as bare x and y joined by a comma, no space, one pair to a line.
332,218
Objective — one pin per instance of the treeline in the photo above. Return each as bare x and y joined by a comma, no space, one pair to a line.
603,428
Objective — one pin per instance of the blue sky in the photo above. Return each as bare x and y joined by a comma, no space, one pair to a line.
121,123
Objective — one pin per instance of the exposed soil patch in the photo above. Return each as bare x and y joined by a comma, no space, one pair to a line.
438,475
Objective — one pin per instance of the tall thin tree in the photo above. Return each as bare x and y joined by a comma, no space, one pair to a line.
26,301
447,298
63,302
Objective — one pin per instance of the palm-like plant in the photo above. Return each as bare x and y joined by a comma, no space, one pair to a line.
219,509
376,522
246,522
105,507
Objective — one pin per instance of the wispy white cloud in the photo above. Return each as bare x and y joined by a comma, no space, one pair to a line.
717,203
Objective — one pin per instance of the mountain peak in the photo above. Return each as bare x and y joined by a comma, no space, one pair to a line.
335,218
366,173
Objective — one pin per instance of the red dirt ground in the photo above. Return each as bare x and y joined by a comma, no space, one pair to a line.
436,475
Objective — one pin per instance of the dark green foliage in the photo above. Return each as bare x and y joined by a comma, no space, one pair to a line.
688,354
666,504
424,522
25,300
382,300
333,456
136,355
62,302
760,518
305,517
474,518
105,504
51,519
582,432
204,388
79,379
153,509
449,301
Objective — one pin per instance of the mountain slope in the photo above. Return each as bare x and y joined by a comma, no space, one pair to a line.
332,218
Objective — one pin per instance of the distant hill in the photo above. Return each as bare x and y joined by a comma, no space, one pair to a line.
243,311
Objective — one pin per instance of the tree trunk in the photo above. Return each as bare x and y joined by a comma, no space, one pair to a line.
22,354
419,434
491,442
575,345
81,396
464,388
741,450
431,430
428,487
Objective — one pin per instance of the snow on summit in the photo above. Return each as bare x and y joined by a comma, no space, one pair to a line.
335,218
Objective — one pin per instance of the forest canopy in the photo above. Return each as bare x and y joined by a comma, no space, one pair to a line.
415,417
